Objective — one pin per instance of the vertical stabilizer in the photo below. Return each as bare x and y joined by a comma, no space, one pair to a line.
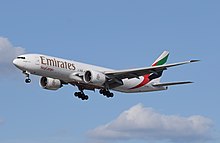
162,59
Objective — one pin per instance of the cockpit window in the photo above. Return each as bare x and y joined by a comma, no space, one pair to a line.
20,57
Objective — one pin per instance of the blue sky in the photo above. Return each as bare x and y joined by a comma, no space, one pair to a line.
116,34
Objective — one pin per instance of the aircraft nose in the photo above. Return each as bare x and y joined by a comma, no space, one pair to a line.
15,62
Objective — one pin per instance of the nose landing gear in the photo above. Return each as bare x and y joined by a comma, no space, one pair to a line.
27,75
28,80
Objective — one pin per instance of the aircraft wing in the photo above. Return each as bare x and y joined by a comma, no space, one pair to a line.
135,73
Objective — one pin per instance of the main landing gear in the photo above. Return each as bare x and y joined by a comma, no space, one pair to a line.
106,93
81,95
27,75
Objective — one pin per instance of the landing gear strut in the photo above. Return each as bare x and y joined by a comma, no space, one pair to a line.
27,75
81,95
106,93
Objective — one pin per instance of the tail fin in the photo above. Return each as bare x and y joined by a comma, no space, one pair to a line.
162,59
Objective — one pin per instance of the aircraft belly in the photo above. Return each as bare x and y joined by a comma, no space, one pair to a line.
129,83
142,89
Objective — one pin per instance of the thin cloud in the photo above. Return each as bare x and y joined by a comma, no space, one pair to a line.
58,139
144,123
7,53
1,121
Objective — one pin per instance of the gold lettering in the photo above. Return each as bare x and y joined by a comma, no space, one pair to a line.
69,66
65,65
62,65
73,67
42,60
50,62
56,63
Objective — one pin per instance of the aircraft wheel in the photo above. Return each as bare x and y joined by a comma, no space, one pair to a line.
111,95
28,80
86,97
76,94
101,91
81,95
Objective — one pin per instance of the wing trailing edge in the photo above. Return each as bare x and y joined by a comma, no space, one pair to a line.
134,73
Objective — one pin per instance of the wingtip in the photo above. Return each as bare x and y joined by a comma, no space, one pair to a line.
193,61
190,82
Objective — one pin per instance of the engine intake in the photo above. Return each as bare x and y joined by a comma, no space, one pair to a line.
50,83
94,77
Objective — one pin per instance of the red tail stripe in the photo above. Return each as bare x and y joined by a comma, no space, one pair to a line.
144,82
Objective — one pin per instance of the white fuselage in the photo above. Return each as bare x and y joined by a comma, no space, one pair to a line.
70,71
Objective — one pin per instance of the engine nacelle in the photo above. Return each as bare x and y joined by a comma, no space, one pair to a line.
94,77
50,83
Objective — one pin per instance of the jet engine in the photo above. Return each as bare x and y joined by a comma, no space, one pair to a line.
50,83
94,77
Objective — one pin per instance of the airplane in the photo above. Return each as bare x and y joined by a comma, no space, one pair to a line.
56,72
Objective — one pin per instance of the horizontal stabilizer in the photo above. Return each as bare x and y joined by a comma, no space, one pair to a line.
172,83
